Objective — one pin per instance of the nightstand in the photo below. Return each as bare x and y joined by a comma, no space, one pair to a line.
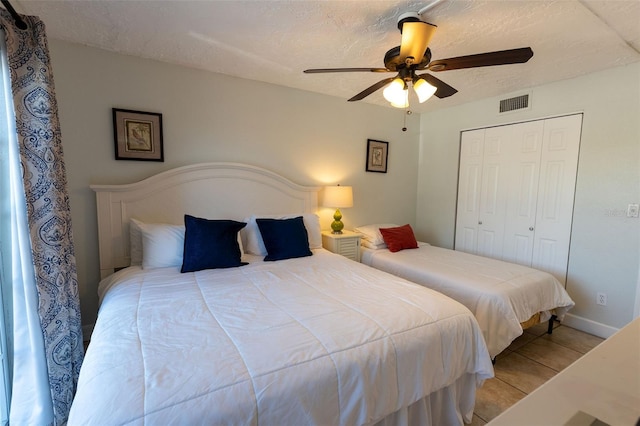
346,244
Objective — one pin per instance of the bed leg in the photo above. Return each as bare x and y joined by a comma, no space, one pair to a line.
551,320
493,360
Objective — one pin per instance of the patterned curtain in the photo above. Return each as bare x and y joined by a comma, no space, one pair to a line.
48,212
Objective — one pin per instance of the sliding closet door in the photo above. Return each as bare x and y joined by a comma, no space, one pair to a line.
469,183
522,192
558,169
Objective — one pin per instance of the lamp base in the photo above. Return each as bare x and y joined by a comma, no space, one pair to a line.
337,225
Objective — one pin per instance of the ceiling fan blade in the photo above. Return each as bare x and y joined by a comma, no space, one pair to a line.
415,39
443,90
321,70
369,90
502,57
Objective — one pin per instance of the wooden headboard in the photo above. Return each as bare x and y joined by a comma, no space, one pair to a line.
208,190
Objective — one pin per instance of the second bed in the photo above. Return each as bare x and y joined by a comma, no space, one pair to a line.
504,297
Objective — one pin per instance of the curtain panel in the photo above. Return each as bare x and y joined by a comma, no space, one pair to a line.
47,204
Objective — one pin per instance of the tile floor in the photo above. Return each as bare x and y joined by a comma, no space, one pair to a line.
531,360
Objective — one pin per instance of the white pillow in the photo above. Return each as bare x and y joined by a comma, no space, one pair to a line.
371,233
162,245
135,242
367,244
255,245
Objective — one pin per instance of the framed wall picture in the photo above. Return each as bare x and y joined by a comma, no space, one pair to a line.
137,135
377,154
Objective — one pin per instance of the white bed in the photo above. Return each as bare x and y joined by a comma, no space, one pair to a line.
311,340
503,296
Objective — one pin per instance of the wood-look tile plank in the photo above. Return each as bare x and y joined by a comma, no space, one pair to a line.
522,373
541,328
549,353
494,397
477,421
521,340
573,339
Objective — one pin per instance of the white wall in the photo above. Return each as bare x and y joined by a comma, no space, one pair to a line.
605,244
310,139
315,140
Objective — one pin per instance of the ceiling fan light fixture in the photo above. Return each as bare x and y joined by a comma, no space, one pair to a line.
404,104
396,93
423,89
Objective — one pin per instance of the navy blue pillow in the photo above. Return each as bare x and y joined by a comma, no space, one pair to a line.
284,238
210,244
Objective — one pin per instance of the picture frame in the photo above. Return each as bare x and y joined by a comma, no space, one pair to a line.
137,135
377,156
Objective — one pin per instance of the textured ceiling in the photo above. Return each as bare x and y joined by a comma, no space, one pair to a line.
273,41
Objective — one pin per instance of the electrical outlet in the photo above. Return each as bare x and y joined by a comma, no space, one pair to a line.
601,299
632,210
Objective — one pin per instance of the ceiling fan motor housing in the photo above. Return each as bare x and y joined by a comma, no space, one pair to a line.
393,62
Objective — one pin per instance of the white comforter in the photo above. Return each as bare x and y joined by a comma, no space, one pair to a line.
500,294
318,340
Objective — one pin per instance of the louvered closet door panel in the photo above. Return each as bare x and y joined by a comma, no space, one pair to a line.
469,182
493,196
522,192
556,191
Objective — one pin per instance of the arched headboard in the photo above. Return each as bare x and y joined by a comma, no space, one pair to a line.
208,190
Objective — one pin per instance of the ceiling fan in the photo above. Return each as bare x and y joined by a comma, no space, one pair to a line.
413,55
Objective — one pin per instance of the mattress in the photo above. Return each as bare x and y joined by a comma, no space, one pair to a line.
501,295
316,340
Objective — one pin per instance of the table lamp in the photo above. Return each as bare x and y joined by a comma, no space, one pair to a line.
338,196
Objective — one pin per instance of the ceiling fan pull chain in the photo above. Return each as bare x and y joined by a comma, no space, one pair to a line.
407,112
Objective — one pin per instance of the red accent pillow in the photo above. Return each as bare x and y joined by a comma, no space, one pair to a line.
399,238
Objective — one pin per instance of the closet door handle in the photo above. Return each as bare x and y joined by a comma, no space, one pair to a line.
531,228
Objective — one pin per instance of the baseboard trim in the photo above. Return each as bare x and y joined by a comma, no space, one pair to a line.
589,326
87,330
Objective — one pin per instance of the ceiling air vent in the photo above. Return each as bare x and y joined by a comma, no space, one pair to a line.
513,104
